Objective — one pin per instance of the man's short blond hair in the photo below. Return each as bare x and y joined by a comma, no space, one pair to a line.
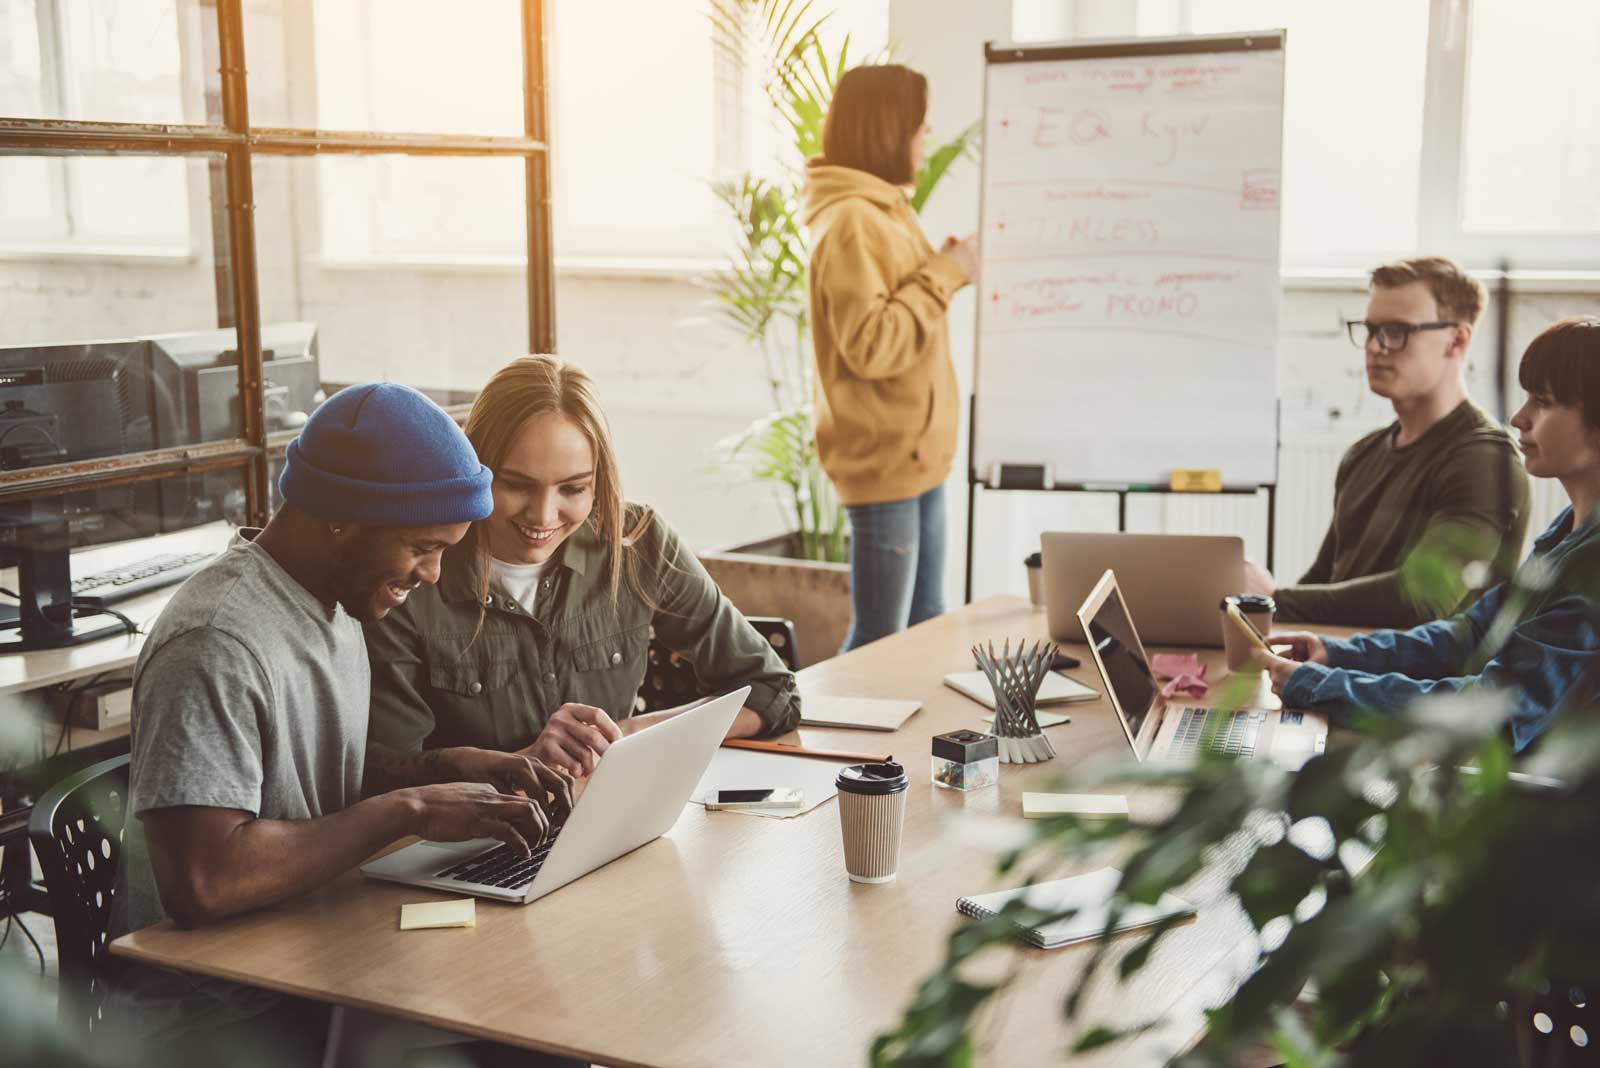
1459,295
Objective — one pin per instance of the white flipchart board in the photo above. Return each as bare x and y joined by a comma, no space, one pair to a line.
1128,292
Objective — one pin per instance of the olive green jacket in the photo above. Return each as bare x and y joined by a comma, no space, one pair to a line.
434,684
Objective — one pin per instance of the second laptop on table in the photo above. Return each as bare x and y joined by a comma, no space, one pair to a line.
1172,582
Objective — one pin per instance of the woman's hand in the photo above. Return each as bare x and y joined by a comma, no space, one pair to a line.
574,738
1303,645
1279,668
965,253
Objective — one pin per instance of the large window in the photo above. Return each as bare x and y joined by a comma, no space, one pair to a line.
193,256
1465,127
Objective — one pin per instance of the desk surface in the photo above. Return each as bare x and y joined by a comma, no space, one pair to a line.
45,667
737,940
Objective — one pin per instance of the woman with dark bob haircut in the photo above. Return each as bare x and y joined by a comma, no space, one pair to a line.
1527,641
886,395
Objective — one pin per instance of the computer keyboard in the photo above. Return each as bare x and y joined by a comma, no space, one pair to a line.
1236,735
500,866
140,576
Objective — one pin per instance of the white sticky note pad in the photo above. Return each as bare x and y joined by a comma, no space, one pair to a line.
1046,719
1037,806
428,914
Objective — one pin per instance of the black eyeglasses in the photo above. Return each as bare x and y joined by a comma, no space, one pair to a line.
1391,337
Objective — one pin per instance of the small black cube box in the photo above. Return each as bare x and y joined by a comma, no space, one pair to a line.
965,747
965,760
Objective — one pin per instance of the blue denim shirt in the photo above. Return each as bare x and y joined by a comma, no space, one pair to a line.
1536,654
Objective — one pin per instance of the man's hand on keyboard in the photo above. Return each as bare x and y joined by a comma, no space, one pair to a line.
458,811
508,773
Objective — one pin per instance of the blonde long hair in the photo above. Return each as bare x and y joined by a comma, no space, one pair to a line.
529,387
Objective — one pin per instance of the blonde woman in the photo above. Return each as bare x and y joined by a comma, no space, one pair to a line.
886,396
534,638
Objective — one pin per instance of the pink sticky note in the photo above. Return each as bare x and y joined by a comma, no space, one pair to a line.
1185,686
1174,665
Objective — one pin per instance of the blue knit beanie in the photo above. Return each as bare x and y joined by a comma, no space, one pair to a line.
384,454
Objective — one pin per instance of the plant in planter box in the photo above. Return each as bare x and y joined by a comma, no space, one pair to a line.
763,293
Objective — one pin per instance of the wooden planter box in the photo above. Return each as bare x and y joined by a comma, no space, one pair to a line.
767,578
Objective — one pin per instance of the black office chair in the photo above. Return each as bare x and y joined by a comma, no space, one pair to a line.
1561,1029
780,635
670,679
76,830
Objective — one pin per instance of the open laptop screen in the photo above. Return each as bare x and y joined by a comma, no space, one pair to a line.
1126,670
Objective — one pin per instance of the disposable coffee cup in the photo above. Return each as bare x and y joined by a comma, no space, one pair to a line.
1035,579
872,812
1257,610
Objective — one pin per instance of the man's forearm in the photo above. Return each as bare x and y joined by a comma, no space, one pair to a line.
262,862
389,769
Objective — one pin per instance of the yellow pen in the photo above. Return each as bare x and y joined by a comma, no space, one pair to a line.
1249,629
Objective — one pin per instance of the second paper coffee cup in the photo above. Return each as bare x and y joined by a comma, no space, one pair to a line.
872,812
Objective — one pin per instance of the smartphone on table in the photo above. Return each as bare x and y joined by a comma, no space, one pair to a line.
766,797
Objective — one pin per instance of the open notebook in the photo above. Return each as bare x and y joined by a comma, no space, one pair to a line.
1056,689
1090,894
859,713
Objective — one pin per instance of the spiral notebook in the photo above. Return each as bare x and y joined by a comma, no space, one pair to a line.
1090,894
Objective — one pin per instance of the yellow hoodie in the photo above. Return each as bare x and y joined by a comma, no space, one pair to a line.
886,394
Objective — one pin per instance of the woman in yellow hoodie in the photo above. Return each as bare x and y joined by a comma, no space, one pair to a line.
886,395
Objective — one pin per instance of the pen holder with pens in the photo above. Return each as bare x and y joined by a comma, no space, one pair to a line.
1016,680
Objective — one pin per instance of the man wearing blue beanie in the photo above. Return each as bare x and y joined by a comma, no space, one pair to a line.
250,758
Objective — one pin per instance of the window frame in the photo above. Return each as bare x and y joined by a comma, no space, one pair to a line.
1442,159
230,136
1443,179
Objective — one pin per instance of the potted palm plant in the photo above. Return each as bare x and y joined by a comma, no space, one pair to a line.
802,573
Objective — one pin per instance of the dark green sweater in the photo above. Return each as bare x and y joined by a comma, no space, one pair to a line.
1407,522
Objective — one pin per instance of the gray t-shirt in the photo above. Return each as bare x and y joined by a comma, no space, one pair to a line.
249,694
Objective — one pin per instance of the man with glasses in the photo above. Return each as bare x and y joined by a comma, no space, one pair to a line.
1432,509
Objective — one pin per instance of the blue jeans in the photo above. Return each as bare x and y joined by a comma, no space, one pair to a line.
896,565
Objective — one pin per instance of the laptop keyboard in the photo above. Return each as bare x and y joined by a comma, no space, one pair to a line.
1235,733
500,866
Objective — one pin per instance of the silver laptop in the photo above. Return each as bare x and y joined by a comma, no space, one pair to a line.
1174,582
1162,730
635,795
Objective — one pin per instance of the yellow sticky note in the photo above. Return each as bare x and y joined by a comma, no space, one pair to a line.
1084,806
1196,480
426,914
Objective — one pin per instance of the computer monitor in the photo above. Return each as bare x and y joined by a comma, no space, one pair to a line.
195,382
87,400
194,397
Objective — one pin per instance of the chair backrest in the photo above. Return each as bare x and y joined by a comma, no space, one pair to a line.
76,830
669,680
1560,1029
779,633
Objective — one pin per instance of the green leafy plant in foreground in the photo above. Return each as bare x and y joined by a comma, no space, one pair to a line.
1413,898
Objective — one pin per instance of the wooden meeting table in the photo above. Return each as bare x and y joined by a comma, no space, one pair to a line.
737,940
